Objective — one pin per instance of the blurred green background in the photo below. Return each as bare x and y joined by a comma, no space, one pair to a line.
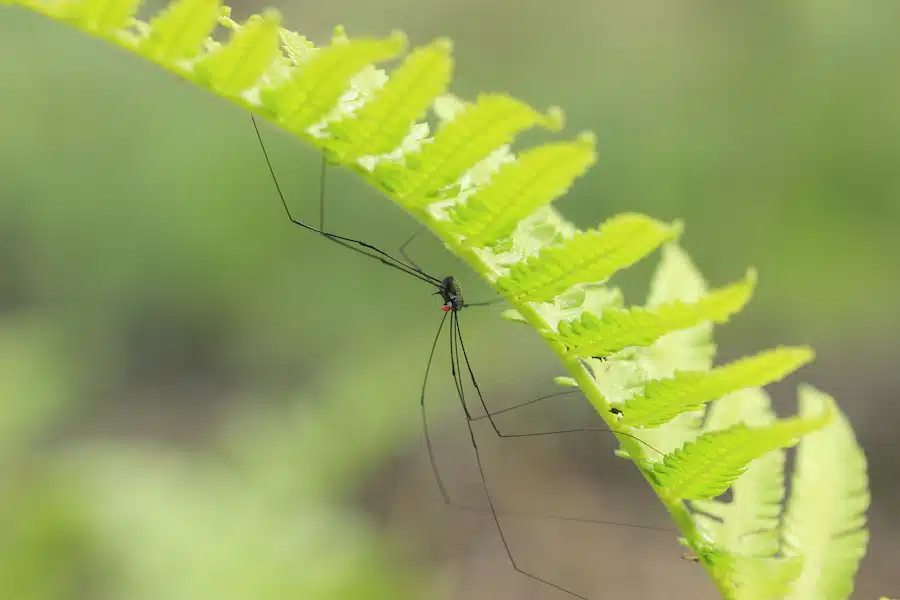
200,401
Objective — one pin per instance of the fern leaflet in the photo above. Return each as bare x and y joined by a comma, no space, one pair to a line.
664,399
316,85
382,123
588,256
749,524
492,121
825,517
537,178
617,329
707,466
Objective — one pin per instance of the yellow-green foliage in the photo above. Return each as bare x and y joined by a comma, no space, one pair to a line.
491,208
592,255
663,399
616,329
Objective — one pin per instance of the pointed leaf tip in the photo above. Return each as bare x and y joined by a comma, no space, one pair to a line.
555,119
399,38
443,43
588,137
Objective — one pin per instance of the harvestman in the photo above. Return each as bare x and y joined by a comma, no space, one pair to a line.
450,291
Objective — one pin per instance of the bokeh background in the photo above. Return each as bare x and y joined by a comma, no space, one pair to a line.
200,401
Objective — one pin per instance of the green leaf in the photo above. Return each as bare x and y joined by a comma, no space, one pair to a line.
240,63
617,329
383,122
101,16
664,399
707,466
480,128
519,188
315,87
180,30
825,520
587,257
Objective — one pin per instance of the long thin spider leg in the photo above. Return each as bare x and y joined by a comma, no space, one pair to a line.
434,469
335,237
454,355
455,332
524,404
454,363
397,264
490,416
486,303
487,411
379,255
580,430
527,514
405,255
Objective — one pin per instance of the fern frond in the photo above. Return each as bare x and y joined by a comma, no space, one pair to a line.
241,62
664,399
617,329
492,121
587,257
535,179
492,209
826,513
315,86
384,121
707,466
